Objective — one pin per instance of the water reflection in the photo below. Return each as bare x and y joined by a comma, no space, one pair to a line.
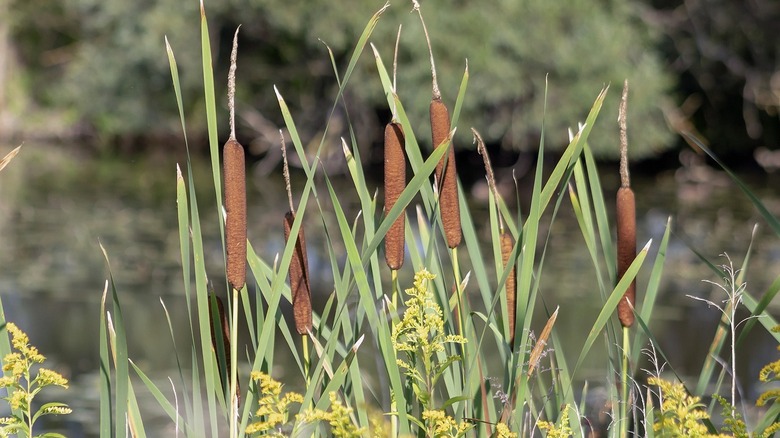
56,207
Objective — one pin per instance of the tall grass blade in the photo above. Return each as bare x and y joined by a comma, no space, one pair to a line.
211,113
651,291
611,304
161,399
106,387
771,219
118,344
9,156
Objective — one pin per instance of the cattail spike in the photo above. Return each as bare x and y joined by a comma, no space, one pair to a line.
511,283
232,85
395,182
626,243
286,173
625,179
435,82
446,175
491,178
235,208
299,278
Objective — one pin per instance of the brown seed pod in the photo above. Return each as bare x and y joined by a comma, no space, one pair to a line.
395,182
447,178
235,207
223,322
511,283
299,278
626,250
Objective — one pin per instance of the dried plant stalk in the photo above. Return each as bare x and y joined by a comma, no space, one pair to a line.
626,244
511,283
395,182
299,278
223,322
235,207
446,174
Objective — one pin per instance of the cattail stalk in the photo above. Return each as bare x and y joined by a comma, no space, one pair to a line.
626,253
626,220
506,241
395,182
235,229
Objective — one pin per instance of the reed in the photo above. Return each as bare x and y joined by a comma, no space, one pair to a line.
626,220
395,182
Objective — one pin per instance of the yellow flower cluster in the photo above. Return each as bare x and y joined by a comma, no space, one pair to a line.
770,372
441,425
681,414
17,368
563,430
273,410
422,328
341,425
502,431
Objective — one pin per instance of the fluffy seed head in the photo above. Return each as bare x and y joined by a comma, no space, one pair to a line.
626,250
299,278
446,175
395,182
235,207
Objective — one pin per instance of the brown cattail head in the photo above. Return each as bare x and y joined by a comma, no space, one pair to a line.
299,278
446,174
626,245
511,283
225,335
235,207
395,182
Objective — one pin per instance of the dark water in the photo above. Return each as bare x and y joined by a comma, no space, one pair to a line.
57,207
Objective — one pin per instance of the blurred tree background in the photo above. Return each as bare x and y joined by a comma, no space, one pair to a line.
97,69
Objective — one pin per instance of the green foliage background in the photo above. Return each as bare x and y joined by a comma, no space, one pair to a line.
103,64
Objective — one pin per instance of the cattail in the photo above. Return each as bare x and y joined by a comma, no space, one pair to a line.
395,182
235,190
511,282
299,278
446,174
235,207
626,220
225,335
447,178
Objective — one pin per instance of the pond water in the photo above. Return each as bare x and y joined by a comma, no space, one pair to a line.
57,207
